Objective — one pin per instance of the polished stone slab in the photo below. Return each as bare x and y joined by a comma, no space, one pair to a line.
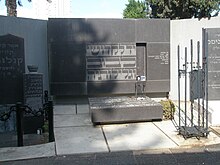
123,109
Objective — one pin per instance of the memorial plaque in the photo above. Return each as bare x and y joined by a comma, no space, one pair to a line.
158,61
33,90
111,61
12,67
214,63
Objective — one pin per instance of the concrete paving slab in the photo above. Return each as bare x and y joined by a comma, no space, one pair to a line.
136,136
27,152
63,120
82,108
72,120
72,140
168,128
64,109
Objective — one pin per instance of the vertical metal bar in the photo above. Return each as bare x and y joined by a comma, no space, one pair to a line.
50,121
206,80
198,81
203,78
191,86
185,87
19,120
179,76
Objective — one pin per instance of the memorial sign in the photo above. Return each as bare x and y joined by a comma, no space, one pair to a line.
111,62
214,63
158,58
11,69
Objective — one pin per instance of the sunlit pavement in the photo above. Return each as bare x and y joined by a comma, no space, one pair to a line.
75,134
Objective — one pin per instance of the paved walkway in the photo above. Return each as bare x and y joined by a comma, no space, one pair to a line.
75,134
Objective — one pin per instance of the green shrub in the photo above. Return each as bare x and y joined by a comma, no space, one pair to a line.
168,109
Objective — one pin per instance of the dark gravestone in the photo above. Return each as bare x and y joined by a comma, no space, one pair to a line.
214,63
33,97
11,69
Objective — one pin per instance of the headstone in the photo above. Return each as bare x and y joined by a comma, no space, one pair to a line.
214,63
12,67
33,97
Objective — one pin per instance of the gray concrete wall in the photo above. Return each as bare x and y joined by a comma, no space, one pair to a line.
34,33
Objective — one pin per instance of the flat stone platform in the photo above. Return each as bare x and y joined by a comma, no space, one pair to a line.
123,109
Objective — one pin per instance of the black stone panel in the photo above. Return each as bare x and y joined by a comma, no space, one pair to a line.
153,30
67,30
111,30
68,89
111,87
67,62
12,67
158,86
213,63
158,61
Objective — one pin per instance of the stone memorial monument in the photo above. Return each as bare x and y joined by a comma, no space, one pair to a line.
103,57
12,67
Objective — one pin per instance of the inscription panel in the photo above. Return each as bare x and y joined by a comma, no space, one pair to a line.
11,69
111,62
33,90
158,59
214,63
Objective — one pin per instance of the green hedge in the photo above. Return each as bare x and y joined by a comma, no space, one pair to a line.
168,109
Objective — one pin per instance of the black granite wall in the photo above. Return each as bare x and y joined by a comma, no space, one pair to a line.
104,56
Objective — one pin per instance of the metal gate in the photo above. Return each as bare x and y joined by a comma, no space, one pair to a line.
193,87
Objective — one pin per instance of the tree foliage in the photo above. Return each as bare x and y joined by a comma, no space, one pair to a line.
179,9
135,9
173,9
11,6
